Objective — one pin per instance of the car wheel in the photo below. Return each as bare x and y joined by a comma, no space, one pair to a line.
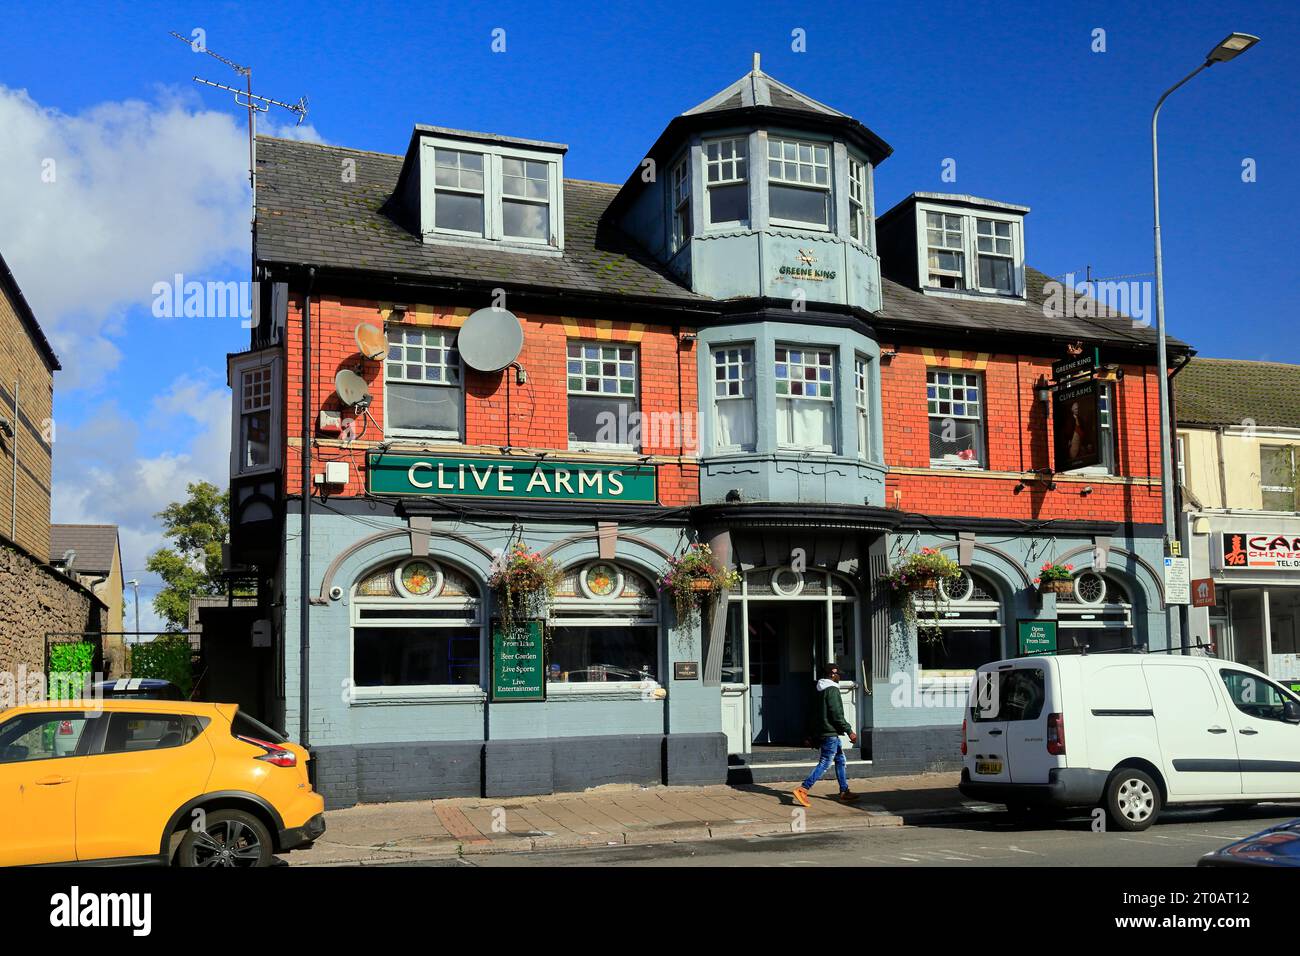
1132,799
227,838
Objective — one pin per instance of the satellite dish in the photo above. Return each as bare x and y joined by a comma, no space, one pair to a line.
490,340
352,388
371,341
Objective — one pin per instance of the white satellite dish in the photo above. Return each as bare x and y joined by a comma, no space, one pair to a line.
352,388
490,339
371,341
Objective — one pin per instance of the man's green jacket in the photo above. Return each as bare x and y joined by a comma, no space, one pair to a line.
828,715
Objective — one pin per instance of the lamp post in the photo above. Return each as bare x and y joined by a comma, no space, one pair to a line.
1231,46
135,584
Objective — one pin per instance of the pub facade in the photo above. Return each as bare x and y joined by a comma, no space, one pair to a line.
463,353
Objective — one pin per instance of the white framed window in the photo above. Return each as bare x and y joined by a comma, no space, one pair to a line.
734,418
603,395
1277,470
805,398
604,632
1097,616
525,199
1106,433
422,383
681,197
861,393
417,630
492,193
256,412
459,194
255,418
726,175
799,183
969,631
994,255
1182,462
857,200
954,403
945,250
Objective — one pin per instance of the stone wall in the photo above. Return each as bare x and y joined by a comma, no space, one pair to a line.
36,600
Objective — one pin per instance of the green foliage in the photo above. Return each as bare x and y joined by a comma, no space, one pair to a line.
195,528
70,669
166,657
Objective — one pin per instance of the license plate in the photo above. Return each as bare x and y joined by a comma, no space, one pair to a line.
991,766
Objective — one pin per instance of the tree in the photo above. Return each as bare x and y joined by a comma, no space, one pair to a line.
195,528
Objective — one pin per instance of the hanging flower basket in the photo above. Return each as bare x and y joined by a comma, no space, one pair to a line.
523,583
923,570
691,579
1056,579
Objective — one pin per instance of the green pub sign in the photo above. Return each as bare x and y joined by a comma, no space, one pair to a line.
518,662
530,479
1037,637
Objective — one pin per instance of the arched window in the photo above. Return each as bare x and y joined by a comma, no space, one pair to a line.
968,632
417,624
1098,615
604,628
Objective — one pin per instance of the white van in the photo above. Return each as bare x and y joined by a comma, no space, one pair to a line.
1131,733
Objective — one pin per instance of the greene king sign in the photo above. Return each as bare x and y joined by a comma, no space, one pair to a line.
1275,552
526,478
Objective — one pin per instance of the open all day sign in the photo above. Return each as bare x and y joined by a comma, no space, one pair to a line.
526,478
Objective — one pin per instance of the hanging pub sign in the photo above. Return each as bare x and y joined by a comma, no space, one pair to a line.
1076,425
1263,550
531,479
1085,363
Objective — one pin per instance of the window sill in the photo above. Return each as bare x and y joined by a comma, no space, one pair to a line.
956,465
598,447
407,433
535,247
441,694
612,690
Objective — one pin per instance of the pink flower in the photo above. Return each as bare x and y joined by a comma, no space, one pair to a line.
1038,580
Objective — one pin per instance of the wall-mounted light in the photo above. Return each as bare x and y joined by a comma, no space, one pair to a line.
1087,490
887,355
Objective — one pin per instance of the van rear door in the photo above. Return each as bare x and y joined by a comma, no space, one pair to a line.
1030,690
1006,736
986,730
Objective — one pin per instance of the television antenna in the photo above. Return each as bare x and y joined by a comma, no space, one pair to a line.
248,100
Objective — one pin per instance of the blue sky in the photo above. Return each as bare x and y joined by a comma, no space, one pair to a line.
151,166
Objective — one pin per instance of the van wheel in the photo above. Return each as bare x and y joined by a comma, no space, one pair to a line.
227,838
1132,799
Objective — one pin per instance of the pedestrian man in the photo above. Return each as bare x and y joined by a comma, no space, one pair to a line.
827,723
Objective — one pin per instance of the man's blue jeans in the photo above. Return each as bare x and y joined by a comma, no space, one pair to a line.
831,750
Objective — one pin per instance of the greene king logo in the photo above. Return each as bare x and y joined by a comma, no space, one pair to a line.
75,909
1097,298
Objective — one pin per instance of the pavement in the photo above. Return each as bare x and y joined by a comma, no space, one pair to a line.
615,815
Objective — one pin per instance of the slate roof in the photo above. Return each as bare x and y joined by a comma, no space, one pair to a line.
1212,391
306,213
95,544
756,88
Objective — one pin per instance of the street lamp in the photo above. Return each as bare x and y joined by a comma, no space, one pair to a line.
1230,47
136,585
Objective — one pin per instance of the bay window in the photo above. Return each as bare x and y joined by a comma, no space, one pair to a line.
954,403
799,183
805,398
602,388
861,381
422,383
256,410
255,418
727,178
681,196
733,398
857,200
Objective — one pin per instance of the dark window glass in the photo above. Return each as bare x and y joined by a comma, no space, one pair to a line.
129,733
423,407
246,726
1254,696
415,656
607,421
729,203
1019,692
995,273
44,736
595,653
458,211
958,648
799,205
1073,640
961,438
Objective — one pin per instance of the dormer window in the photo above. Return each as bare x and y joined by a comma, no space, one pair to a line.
857,200
945,250
726,164
799,183
489,191
681,180
997,270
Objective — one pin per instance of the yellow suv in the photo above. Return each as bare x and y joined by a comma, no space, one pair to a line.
161,781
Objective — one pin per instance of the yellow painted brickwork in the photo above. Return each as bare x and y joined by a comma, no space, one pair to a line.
22,364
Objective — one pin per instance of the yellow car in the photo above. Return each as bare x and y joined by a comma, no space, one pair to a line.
150,781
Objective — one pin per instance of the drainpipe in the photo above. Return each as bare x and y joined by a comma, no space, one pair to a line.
13,488
304,543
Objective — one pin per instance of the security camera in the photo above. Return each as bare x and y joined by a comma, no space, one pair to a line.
336,592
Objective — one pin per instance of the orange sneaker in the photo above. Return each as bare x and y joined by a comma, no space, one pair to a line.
801,797
848,796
